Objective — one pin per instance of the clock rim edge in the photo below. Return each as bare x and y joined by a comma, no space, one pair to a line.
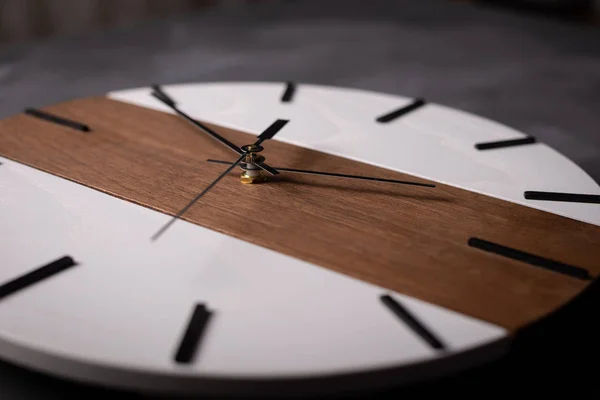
216,383
118,378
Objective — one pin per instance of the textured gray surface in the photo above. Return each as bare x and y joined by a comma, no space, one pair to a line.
541,77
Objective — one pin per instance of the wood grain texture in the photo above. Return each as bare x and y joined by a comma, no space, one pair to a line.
405,238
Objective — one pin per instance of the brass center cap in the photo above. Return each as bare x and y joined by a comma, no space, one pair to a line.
252,148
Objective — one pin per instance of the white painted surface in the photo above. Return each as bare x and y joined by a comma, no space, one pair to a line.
433,142
122,311
126,304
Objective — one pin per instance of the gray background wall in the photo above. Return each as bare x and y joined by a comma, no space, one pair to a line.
25,19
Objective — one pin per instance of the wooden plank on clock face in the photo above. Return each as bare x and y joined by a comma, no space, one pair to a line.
412,240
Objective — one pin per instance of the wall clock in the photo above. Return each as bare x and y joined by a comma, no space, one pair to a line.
324,238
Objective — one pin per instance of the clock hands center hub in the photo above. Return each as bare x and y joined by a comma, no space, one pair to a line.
252,172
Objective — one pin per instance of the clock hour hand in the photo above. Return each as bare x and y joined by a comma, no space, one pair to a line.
366,178
265,135
271,131
164,98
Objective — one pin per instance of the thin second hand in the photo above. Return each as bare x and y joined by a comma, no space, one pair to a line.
183,210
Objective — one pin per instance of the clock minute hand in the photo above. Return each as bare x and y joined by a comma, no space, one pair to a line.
164,98
159,94
366,178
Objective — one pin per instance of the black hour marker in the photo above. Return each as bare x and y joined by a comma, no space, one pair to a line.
36,276
57,120
288,95
193,334
417,103
567,197
570,270
412,322
505,143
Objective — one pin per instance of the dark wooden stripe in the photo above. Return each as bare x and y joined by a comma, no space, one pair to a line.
35,276
412,322
288,94
193,334
417,103
566,197
546,263
505,143
57,120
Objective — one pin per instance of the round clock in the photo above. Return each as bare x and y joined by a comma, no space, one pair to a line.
267,237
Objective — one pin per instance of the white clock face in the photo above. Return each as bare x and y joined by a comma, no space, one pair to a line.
119,315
